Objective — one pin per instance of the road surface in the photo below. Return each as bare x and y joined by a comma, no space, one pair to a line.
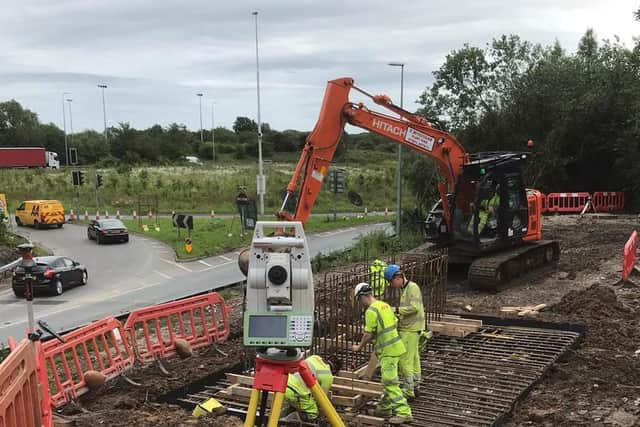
123,277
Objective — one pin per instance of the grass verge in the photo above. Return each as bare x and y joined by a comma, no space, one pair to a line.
213,237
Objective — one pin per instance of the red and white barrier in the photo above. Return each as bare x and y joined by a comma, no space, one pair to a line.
21,403
201,320
607,201
566,202
629,255
72,216
97,346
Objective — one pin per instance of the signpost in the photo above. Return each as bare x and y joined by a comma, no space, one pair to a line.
337,186
247,210
184,221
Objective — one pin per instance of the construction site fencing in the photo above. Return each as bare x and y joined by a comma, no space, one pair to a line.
340,319
20,391
629,255
566,202
201,320
606,201
98,346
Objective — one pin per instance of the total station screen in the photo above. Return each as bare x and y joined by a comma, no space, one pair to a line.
268,326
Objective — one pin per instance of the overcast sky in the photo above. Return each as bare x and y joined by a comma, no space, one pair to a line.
155,55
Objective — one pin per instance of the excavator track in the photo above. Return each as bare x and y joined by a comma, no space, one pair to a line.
491,271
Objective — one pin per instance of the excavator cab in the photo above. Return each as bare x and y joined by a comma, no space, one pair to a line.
489,208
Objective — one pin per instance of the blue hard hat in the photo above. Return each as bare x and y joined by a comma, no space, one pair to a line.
391,271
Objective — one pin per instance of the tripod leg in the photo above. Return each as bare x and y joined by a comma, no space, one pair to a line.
326,406
275,410
250,420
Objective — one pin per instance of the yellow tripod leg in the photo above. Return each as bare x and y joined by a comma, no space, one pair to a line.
325,404
250,420
276,407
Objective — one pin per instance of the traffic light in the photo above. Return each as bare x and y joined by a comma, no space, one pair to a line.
98,180
73,154
77,177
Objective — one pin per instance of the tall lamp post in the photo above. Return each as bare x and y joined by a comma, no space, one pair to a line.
261,183
64,126
399,166
201,134
104,112
213,137
69,100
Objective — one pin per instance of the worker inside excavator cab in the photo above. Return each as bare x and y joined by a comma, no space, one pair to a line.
486,215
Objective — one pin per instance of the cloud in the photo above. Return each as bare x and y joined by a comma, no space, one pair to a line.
156,55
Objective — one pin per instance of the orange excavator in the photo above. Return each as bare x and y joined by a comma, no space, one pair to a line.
485,216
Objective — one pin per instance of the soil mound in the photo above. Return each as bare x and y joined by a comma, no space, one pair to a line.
593,304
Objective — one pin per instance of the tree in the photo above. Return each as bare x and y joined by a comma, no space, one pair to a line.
244,124
19,126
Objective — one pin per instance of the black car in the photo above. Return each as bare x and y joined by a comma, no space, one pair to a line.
107,230
50,273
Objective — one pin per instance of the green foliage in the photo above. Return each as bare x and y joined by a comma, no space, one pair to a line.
369,247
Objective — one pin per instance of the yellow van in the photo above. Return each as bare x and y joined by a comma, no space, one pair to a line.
40,213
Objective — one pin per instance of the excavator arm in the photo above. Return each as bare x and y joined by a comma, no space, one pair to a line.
409,130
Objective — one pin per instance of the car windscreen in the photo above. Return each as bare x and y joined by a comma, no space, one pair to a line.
111,224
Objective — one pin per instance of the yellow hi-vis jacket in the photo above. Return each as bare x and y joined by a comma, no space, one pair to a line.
378,284
411,309
380,320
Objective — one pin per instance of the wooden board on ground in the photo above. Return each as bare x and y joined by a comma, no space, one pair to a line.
523,310
455,326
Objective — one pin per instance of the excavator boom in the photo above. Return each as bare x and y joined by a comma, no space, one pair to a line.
410,130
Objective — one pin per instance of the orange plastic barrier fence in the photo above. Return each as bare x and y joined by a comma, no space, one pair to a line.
19,395
629,257
200,320
98,346
608,201
544,203
566,202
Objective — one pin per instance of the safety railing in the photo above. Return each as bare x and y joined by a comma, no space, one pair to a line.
19,394
98,346
200,320
566,202
606,201
5,269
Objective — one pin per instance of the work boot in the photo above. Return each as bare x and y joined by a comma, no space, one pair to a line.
397,420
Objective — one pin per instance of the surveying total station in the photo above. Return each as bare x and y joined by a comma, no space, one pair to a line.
278,317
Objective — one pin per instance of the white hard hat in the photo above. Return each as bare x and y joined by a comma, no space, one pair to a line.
362,289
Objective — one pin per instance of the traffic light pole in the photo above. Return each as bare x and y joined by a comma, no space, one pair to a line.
97,186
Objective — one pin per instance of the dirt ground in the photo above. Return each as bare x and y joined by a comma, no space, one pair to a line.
597,385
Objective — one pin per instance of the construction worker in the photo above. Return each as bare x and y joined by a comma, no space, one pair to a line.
487,211
378,284
299,396
380,326
411,325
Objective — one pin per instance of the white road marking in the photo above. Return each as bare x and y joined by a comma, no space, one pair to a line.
204,262
224,258
166,276
175,264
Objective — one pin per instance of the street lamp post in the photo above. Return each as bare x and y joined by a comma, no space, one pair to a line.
261,183
69,100
399,166
104,112
201,133
64,126
213,137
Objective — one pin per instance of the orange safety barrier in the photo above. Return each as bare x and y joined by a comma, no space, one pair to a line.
608,201
566,202
544,203
201,320
629,256
19,391
98,346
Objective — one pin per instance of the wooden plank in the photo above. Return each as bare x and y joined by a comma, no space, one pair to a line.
452,329
350,401
359,419
497,336
372,385
343,389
